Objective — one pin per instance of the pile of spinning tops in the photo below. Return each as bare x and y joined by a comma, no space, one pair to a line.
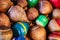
29,19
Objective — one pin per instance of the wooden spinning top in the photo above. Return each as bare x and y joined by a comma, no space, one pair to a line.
56,13
5,5
54,25
32,13
6,34
45,7
17,13
4,20
38,33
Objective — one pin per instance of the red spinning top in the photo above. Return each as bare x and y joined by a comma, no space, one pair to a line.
57,34
55,3
58,21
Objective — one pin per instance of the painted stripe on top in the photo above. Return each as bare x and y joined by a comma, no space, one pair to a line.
23,26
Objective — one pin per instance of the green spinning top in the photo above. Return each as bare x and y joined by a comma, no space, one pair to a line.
42,20
32,3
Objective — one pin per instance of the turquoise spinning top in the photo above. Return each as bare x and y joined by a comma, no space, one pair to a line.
20,28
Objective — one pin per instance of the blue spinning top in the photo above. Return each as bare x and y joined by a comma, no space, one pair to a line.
20,28
20,38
